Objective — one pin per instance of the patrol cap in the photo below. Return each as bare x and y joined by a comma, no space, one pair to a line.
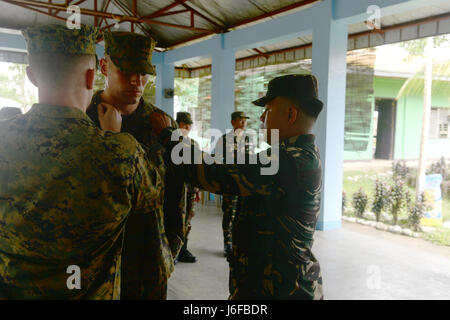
238,114
54,38
130,52
184,117
9,112
302,88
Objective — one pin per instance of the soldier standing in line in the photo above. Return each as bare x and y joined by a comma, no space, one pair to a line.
9,112
185,122
273,233
230,203
67,187
147,262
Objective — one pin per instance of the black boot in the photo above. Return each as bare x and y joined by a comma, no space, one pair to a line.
185,255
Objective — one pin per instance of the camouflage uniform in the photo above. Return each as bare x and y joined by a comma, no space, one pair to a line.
230,203
273,232
66,191
191,193
146,268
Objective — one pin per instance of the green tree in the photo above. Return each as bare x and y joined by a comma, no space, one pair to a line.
422,82
13,86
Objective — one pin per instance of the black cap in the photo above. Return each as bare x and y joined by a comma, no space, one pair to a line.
184,117
238,114
302,88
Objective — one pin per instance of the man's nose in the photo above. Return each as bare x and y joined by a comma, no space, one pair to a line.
263,117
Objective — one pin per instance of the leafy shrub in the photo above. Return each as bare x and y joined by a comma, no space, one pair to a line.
411,178
344,201
445,188
400,170
416,212
409,204
381,198
360,200
439,167
397,198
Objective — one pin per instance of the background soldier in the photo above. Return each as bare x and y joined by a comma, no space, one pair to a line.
67,187
230,203
9,112
146,267
273,232
185,124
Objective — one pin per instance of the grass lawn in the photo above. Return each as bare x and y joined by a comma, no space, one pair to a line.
353,180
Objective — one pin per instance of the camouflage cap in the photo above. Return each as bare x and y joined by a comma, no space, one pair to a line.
9,112
60,39
130,52
238,114
184,117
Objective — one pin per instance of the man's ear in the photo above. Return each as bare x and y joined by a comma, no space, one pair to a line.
293,115
90,78
103,66
30,75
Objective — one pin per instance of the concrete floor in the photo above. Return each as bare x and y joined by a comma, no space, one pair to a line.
358,262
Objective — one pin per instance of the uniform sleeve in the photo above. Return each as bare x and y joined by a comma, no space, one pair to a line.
147,184
218,148
174,209
238,179
190,197
93,113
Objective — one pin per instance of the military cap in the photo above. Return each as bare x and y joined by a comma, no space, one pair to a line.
238,114
60,39
184,117
130,52
9,112
302,88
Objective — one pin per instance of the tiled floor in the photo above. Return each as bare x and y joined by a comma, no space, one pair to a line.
357,262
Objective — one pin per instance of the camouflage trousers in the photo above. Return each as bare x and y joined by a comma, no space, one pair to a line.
229,206
260,284
144,290
142,275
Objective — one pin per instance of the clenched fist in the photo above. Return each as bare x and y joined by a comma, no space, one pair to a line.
109,117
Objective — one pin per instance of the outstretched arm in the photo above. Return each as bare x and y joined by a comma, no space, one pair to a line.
236,179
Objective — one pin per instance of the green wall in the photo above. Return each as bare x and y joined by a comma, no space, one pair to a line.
408,122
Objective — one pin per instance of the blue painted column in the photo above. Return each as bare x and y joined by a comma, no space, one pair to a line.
329,51
165,74
222,88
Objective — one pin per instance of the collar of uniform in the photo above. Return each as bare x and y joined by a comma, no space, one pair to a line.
96,99
52,111
137,111
298,140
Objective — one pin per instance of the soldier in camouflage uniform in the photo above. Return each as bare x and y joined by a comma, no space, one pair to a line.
185,122
273,232
146,265
67,188
9,112
231,203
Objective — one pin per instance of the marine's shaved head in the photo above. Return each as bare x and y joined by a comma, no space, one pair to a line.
56,70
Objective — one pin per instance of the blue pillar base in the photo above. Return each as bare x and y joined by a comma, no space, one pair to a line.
328,225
